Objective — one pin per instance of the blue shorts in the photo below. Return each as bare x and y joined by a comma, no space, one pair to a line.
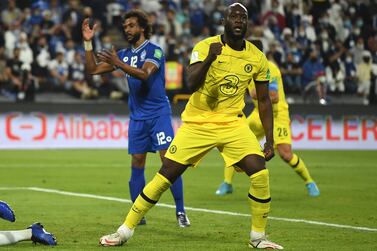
150,135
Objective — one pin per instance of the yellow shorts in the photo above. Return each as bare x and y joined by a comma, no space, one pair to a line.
282,128
234,140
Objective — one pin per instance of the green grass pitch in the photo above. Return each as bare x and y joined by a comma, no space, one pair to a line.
347,180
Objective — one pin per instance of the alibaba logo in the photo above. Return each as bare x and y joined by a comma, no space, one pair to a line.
11,126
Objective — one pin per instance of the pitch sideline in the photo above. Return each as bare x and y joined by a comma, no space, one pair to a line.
99,197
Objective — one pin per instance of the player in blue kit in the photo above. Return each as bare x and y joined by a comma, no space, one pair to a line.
150,128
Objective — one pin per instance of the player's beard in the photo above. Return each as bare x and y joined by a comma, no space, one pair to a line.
134,38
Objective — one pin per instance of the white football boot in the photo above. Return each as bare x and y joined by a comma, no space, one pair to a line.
122,235
263,243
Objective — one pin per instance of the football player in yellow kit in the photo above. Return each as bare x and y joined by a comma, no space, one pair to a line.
213,118
282,131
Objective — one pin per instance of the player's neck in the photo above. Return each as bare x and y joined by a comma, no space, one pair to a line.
235,44
139,42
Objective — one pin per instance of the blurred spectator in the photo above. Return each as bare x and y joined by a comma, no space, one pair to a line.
197,19
335,77
318,8
11,15
286,39
358,50
20,80
173,30
350,70
56,11
59,71
364,72
277,52
336,20
314,77
3,65
114,13
77,79
335,53
291,72
73,18
47,25
150,5
26,54
274,15
324,25
302,37
43,58
69,51
215,17
307,29
11,36
106,43
293,13
98,9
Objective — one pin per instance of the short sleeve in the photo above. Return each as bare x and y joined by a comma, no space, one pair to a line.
155,55
200,52
264,72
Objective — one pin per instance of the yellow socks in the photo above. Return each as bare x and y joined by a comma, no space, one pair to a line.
228,174
299,166
146,200
260,200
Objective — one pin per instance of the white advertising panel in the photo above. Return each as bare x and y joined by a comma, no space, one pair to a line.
41,131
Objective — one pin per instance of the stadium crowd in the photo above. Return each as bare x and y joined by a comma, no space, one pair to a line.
317,44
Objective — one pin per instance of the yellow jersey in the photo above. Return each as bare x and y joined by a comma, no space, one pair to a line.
276,84
221,97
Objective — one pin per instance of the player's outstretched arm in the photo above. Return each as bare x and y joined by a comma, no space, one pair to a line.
198,71
91,65
143,73
265,113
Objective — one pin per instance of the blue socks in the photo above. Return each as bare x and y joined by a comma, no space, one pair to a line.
137,182
177,191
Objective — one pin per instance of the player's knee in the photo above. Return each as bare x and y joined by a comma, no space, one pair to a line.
138,160
252,164
285,156
171,170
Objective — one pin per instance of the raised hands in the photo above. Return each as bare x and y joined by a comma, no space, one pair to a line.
109,56
87,31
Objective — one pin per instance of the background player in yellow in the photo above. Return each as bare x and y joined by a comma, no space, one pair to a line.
213,118
282,131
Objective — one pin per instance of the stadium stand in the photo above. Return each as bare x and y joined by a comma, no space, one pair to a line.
47,34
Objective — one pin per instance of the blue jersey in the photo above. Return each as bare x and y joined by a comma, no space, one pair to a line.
147,99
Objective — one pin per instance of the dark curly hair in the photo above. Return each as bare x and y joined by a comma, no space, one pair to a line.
142,19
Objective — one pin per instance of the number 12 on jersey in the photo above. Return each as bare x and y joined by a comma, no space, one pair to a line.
162,139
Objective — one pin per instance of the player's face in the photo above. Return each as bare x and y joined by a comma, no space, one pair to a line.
132,30
236,22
